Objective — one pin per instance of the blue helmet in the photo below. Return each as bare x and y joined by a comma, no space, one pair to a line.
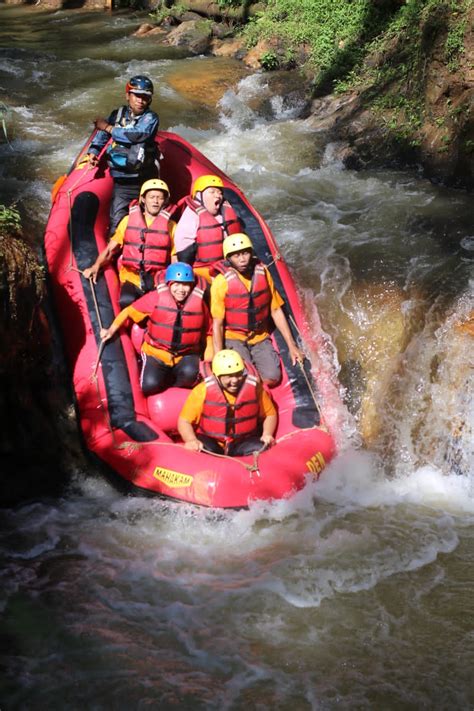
179,271
140,84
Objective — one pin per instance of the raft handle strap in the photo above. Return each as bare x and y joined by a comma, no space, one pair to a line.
276,258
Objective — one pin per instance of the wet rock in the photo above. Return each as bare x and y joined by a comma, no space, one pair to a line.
156,31
234,47
264,48
149,30
221,30
194,35
372,334
207,88
283,92
169,23
347,155
143,29
228,11
328,111
190,17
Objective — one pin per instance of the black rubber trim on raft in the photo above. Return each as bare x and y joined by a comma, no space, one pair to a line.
305,413
120,401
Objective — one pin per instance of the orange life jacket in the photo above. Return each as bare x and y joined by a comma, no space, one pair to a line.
226,422
245,310
146,248
211,233
174,329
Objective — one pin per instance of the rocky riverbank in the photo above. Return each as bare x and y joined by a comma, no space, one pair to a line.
38,439
409,105
408,101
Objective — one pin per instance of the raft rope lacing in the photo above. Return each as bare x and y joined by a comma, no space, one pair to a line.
70,267
134,446
276,258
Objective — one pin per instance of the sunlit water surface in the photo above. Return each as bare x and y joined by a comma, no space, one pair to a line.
356,593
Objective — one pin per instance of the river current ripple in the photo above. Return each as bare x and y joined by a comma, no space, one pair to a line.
357,592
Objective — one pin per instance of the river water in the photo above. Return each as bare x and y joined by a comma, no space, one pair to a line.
356,593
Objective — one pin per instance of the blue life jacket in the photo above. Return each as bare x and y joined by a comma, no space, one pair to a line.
134,158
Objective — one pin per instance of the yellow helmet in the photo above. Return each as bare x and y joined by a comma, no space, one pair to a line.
206,181
235,243
227,362
154,184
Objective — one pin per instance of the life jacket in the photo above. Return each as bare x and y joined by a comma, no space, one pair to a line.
211,233
132,158
177,330
247,311
226,422
146,248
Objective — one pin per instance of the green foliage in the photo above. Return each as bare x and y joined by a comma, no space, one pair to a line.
340,34
162,11
18,262
10,221
177,9
391,77
334,32
454,45
226,4
402,116
159,13
269,61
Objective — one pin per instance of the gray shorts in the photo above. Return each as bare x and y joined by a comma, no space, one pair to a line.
263,356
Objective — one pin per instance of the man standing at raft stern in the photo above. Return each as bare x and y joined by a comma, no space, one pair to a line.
207,219
144,238
243,302
132,155
229,412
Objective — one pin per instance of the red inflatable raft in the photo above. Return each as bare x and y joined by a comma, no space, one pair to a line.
137,437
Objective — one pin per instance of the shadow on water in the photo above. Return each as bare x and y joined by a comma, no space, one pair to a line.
72,4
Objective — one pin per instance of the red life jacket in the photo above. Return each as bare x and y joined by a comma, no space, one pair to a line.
247,311
146,249
178,330
211,233
226,422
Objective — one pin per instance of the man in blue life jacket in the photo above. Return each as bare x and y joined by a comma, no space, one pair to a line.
132,155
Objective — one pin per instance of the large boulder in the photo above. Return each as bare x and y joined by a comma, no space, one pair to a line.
233,47
207,86
193,35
